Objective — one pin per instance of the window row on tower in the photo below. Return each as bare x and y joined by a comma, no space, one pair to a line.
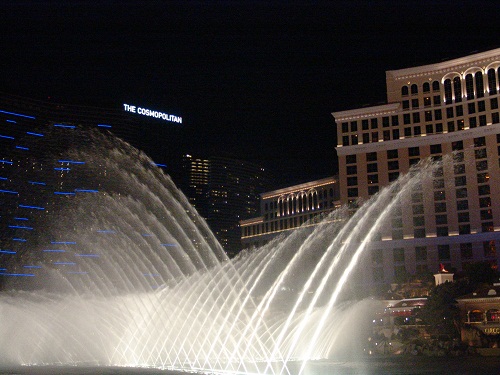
473,84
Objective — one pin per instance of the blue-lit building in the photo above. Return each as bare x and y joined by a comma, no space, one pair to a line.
43,168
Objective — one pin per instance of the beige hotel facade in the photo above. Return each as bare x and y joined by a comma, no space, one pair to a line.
286,209
431,111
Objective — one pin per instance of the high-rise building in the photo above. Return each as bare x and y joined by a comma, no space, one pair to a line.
224,191
195,182
155,137
286,209
431,111
45,167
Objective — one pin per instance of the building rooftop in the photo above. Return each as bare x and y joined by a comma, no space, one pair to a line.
366,112
491,291
299,187
461,63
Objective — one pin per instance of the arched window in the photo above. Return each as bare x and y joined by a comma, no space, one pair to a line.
426,87
492,81
476,316
447,91
457,89
404,90
435,86
469,86
414,89
479,84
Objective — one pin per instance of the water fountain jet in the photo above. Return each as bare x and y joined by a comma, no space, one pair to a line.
132,276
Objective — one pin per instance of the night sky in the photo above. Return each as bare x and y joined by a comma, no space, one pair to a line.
253,80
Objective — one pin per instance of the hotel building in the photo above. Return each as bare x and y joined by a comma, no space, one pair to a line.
286,209
39,179
155,137
224,191
432,110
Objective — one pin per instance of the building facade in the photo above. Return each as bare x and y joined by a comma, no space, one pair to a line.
481,309
224,191
155,137
432,111
286,209
51,157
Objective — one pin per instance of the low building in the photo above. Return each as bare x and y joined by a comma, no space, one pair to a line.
481,309
288,208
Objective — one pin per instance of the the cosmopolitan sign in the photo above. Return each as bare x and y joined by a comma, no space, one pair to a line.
152,113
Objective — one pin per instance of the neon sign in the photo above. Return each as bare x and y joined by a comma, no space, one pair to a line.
152,113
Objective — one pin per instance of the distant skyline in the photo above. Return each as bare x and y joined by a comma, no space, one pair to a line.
255,79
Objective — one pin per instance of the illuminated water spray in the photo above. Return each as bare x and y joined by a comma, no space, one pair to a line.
117,269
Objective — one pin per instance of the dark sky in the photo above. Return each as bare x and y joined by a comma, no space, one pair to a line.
255,79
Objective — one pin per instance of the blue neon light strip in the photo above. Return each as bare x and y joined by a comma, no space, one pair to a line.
21,218
104,126
54,251
105,231
64,193
35,134
19,239
15,122
5,161
7,252
87,255
34,267
86,191
20,227
9,192
3,178
158,165
22,148
63,242
62,169
6,136
168,244
64,263
65,126
17,114
71,161
33,207
17,274
3,269
37,183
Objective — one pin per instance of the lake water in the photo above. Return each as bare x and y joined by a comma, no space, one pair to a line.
401,365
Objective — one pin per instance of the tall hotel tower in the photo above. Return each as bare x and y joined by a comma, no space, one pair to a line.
432,110
224,191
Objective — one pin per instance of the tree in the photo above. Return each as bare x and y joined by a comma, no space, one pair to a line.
481,273
441,312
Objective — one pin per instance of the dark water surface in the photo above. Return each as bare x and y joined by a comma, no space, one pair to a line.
402,365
